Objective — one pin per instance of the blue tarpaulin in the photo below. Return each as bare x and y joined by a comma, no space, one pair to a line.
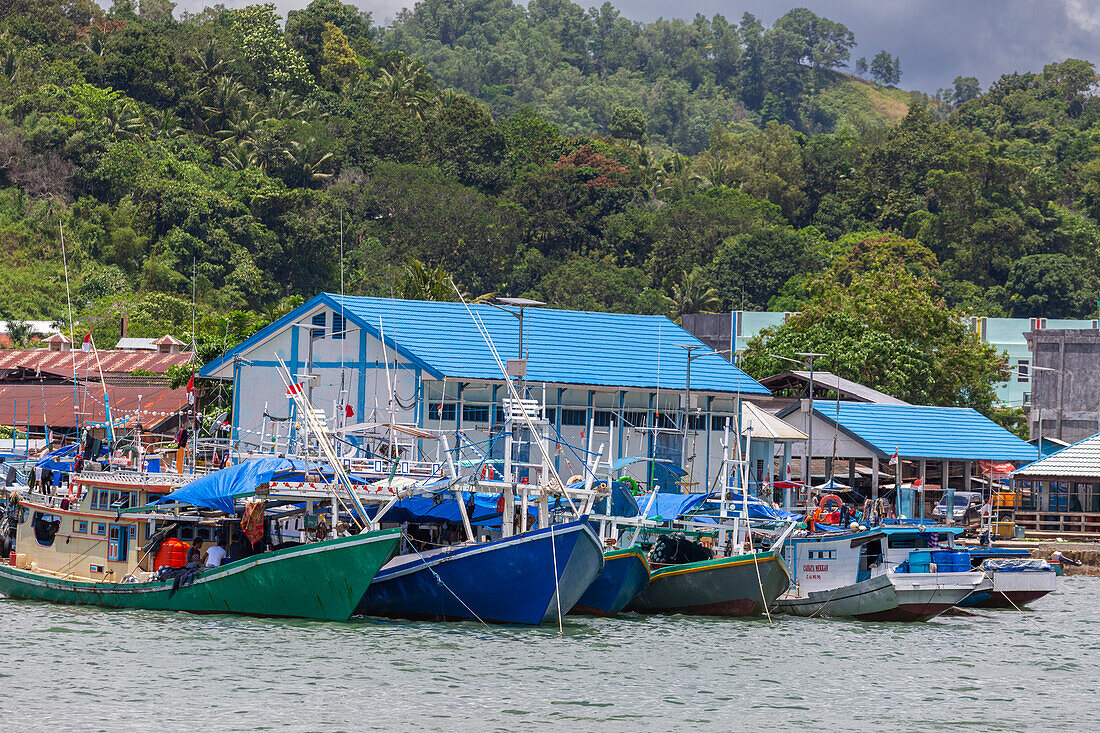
52,460
670,506
218,490
438,508
623,503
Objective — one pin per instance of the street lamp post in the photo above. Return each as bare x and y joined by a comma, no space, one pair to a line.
687,388
811,355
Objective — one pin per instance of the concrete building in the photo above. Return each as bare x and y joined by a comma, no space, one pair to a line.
1006,335
628,375
1067,397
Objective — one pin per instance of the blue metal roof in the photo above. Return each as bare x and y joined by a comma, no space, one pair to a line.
916,431
564,347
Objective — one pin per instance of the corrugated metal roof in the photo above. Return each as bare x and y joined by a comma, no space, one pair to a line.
563,347
131,343
830,381
54,403
758,423
917,431
61,362
1080,459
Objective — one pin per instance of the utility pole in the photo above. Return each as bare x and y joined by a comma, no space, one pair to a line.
807,478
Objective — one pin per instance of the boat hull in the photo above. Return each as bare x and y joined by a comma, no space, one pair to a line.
625,574
726,586
887,597
1011,588
514,580
321,580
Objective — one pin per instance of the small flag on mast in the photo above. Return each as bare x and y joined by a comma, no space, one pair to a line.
894,458
294,389
191,389
87,345
348,412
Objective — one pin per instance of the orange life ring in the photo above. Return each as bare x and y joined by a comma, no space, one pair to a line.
830,497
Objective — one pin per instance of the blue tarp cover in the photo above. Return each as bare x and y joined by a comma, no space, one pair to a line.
218,490
442,507
670,506
759,509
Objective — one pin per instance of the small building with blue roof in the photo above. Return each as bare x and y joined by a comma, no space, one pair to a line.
947,442
429,364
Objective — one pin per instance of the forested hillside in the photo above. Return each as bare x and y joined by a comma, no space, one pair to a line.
601,163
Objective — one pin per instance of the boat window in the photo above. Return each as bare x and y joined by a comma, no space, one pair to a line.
80,526
111,499
903,541
99,528
46,527
822,555
870,554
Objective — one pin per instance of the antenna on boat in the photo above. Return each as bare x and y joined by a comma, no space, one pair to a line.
72,336
322,440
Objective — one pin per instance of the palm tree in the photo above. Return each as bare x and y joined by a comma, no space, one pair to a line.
242,125
239,157
285,105
403,85
225,96
694,294
164,125
210,62
420,282
304,157
120,119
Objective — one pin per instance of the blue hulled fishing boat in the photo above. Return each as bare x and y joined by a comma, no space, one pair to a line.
625,574
529,578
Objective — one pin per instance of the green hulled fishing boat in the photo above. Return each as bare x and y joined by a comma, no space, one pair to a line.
321,580
742,585
85,549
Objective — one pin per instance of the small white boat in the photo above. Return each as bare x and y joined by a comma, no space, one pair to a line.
885,574
1011,582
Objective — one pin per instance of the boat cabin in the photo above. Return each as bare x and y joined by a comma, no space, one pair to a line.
831,560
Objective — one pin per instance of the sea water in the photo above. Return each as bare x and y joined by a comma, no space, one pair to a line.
87,669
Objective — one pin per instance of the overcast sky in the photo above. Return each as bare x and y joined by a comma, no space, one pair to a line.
936,40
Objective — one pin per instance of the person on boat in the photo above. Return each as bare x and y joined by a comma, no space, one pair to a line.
195,553
845,515
78,463
214,556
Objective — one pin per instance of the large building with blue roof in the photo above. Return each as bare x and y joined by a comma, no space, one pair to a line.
430,364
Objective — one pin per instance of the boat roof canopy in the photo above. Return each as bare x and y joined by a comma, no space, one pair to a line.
220,489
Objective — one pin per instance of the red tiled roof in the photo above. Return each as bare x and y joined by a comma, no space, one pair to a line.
61,362
56,401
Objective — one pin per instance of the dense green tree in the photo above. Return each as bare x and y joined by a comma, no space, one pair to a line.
886,69
966,88
889,330
1051,286
751,268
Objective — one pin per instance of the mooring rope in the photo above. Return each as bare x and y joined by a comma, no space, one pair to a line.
440,580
